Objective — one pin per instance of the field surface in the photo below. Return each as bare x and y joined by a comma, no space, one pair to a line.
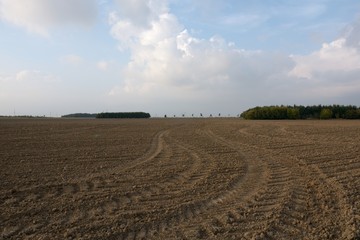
179,179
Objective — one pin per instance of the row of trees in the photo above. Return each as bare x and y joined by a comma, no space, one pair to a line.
108,115
80,115
123,115
303,112
22,116
202,115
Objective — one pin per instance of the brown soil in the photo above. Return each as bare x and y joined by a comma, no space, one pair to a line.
179,179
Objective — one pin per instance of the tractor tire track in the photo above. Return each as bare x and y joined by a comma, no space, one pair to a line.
322,197
45,195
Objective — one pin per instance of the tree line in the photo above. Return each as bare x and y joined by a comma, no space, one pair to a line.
80,115
303,112
108,115
123,115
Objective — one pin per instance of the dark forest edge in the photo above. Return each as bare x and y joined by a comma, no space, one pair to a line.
108,115
80,115
302,112
123,115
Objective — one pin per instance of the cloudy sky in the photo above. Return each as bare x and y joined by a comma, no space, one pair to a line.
176,56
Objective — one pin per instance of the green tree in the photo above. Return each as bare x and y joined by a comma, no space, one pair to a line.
352,114
123,115
325,113
293,113
302,112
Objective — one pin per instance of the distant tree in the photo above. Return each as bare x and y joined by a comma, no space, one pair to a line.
219,114
80,115
183,115
201,115
165,116
325,113
293,113
302,112
123,115
352,114
210,115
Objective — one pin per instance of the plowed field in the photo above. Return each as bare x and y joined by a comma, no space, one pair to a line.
179,179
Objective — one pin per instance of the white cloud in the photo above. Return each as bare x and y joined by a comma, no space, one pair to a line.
102,65
141,12
72,59
169,63
335,56
165,55
39,15
352,35
4,78
33,76
334,70
138,17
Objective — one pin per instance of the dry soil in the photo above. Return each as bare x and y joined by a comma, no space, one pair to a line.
179,179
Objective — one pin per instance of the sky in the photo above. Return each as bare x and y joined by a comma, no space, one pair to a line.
176,57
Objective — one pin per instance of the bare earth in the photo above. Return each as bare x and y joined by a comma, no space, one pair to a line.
179,179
